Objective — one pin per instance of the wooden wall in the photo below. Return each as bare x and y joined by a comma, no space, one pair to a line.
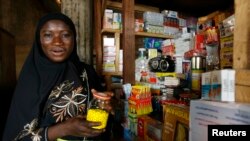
19,17
80,11
242,50
7,72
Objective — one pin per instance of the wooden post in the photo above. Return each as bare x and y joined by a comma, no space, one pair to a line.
97,34
128,41
241,57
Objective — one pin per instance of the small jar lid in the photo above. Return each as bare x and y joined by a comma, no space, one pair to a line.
101,96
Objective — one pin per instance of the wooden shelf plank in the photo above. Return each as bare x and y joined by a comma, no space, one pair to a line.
147,34
112,73
144,34
110,30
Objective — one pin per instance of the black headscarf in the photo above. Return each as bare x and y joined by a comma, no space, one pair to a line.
37,78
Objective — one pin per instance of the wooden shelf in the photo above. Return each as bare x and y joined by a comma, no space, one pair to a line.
147,34
110,31
112,73
108,76
143,34
116,86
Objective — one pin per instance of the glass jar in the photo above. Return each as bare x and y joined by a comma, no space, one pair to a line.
96,110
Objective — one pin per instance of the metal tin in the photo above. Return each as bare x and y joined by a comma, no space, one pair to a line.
198,63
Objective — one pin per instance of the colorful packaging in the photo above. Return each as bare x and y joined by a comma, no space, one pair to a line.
219,85
176,122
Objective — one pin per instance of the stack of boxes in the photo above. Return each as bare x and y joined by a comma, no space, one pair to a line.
112,19
153,22
226,42
171,22
139,104
109,54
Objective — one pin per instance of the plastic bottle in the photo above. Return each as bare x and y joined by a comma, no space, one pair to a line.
141,66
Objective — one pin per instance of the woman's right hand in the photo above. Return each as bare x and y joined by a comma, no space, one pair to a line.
75,126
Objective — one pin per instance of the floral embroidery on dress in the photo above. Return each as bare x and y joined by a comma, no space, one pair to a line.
30,129
66,86
65,100
69,105
36,135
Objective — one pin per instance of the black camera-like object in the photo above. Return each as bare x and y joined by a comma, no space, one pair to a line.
161,64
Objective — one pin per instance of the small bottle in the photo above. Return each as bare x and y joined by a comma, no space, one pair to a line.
141,65
96,110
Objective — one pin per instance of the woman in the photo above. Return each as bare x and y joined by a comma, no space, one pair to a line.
54,87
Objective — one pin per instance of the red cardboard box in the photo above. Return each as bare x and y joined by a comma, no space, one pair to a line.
141,125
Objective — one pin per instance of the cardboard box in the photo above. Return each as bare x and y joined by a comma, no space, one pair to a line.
116,20
226,52
204,113
218,85
176,122
142,125
153,130
132,123
205,85
108,19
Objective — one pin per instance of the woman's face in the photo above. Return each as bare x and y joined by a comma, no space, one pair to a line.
57,40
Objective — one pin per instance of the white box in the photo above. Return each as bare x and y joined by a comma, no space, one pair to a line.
231,85
108,41
205,85
204,113
108,19
221,86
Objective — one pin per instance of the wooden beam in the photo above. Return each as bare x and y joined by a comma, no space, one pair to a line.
104,6
242,77
128,41
137,7
241,49
242,94
241,57
97,35
204,19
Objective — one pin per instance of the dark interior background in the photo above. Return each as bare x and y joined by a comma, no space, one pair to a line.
196,8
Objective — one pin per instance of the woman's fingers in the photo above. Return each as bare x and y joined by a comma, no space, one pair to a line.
88,129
